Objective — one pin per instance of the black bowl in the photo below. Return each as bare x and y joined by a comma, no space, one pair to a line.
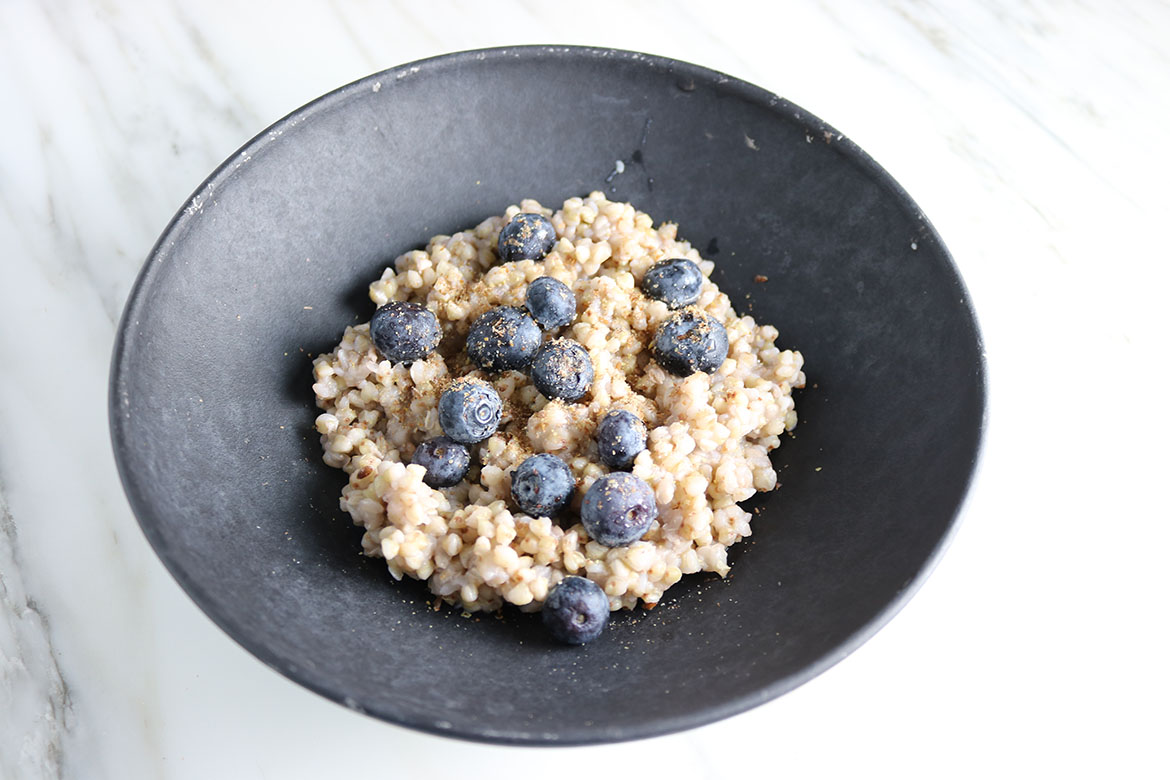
211,408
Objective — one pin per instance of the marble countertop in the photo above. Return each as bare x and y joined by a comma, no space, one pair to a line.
1032,134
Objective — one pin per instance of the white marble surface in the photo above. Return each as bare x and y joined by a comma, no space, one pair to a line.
1033,135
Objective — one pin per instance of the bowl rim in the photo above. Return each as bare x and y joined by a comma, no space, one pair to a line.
125,342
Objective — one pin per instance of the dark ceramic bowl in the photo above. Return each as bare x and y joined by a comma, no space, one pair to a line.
212,413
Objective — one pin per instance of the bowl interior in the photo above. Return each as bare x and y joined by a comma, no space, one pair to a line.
212,411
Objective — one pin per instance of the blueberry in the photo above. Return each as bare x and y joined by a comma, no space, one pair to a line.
617,509
678,282
621,435
542,485
503,339
575,611
403,331
562,369
551,302
445,460
469,410
526,237
690,341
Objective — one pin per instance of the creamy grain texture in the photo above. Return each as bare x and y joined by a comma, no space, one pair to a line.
709,435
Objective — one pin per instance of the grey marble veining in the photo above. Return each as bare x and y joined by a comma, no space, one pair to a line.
37,708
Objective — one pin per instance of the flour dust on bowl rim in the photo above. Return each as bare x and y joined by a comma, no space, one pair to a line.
212,414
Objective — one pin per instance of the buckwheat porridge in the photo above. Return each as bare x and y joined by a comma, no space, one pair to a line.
657,403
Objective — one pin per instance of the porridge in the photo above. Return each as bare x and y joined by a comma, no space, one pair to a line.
588,365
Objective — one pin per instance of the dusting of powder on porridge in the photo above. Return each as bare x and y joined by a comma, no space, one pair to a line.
708,437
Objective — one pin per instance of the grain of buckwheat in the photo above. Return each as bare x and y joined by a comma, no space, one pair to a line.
709,435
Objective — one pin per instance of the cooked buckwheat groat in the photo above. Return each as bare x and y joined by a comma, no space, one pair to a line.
711,416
